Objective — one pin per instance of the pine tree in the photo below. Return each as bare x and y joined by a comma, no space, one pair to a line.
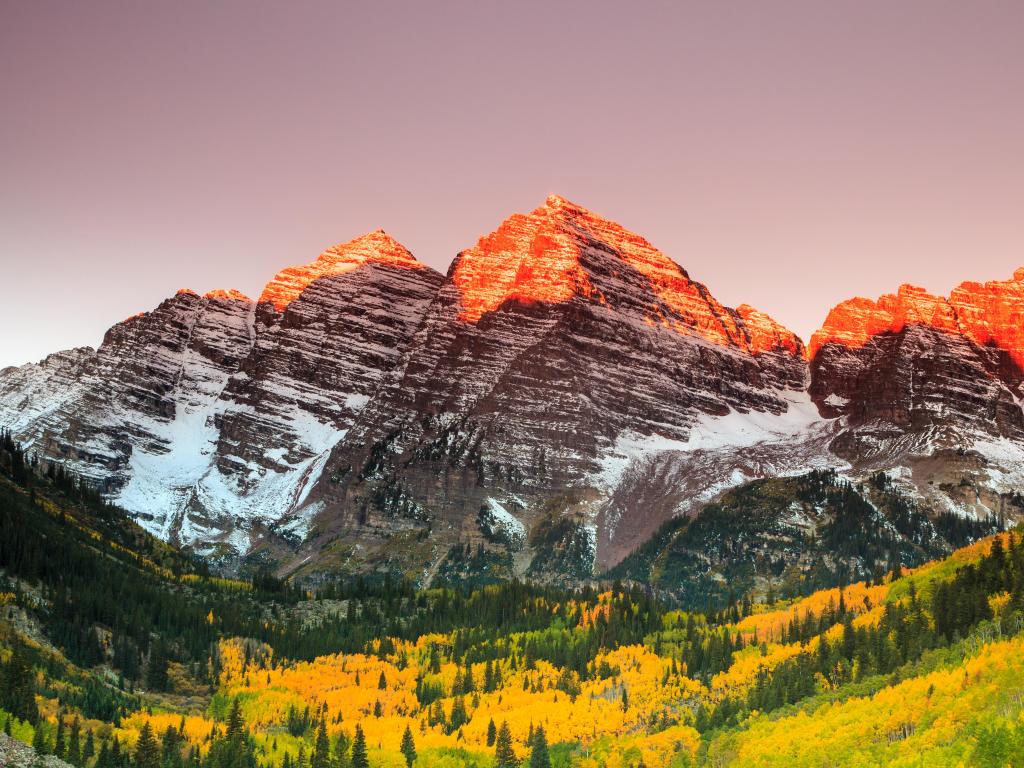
147,752
382,682
408,747
59,746
156,670
492,733
359,758
74,755
321,748
89,749
504,755
103,758
39,740
539,757
18,685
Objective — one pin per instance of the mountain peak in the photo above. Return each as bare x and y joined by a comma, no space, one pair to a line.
989,314
228,295
374,247
562,252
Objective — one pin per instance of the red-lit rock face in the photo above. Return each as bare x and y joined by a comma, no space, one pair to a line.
766,334
989,314
228,295
562,252
913,372
376,247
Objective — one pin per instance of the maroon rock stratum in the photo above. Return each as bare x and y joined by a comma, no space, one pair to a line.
563,391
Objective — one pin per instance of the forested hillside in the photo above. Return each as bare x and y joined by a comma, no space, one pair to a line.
118,651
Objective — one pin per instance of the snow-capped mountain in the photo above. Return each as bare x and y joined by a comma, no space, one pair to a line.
211,415
561,351
562,392
932,385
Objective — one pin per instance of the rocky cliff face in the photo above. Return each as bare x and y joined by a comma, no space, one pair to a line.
208,416
932,384
541,410
135,416
556,345
321,349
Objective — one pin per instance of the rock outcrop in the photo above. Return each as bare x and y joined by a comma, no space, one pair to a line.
554,338
212,414
932,384
563,391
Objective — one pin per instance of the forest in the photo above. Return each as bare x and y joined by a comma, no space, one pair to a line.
914,665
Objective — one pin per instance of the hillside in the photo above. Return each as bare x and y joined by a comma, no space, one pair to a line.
186,669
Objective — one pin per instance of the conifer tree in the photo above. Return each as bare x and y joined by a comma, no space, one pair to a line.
321,748
103,758
147,752
408,747
89,749
17,685
504,755
359,758
39,740
539,757
59,746
492,733
74,755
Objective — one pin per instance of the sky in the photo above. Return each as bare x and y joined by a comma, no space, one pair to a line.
787,154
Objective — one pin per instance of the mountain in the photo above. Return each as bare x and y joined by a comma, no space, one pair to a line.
931,385
542,410
208,416
560,351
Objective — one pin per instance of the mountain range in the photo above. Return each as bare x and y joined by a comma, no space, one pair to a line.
561,395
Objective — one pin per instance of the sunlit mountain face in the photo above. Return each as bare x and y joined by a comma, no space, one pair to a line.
564,391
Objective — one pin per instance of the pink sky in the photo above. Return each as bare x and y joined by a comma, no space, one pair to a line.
788,154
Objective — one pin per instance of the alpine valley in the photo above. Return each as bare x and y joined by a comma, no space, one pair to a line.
559,505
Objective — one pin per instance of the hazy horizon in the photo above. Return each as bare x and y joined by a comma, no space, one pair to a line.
788,156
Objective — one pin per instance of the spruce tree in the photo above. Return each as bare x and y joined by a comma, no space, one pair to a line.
103,758
504,755
39,740
492,733
408,747
539,757
74,755
321,748
89,749
17,685
359,758
59,746
147,751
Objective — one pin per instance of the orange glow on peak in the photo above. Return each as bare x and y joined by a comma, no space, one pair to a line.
562,252
989,313
185,292
375,247
230,295
766,334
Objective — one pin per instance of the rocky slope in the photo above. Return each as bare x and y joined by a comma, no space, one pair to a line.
547,405
207,416
558,349
931,384
14,754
